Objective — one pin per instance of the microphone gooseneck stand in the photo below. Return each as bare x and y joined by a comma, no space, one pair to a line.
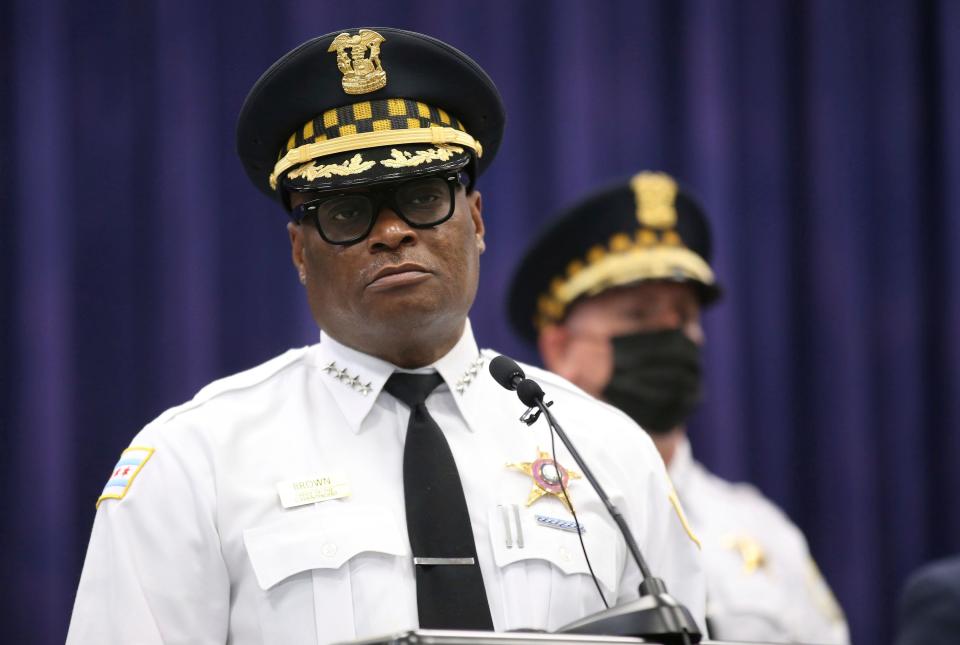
656,615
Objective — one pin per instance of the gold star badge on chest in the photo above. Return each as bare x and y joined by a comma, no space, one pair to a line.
547,477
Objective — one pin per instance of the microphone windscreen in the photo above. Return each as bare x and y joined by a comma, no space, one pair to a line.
505,371
529,392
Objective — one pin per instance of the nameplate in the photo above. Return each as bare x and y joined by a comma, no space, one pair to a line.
311,490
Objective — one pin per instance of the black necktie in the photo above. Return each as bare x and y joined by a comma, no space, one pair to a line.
450,593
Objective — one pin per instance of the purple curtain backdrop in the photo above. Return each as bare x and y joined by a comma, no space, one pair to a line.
138,263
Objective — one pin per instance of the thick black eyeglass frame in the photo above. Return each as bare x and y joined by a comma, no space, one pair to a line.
386,195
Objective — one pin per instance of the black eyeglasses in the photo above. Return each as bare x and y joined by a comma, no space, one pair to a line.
347,218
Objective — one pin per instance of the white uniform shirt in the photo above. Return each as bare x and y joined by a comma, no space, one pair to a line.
201,550
762,583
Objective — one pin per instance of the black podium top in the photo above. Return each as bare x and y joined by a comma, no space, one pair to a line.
451,637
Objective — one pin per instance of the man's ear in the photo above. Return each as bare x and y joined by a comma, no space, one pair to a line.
475,202
553,343
296,248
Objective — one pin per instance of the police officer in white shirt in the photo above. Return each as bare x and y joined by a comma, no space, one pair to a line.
612,293
379,480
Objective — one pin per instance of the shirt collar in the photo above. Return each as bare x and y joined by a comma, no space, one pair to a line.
355,379
681,465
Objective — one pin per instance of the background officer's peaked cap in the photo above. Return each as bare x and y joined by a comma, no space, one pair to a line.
646,228
367,105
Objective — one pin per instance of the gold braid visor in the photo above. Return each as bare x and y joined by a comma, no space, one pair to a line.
436,135
617,269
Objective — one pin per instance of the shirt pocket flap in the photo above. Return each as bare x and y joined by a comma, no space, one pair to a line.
321,539
559,547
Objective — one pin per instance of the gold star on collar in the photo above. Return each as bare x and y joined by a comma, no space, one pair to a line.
547,478
750,550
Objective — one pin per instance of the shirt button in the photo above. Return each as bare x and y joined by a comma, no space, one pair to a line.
329,549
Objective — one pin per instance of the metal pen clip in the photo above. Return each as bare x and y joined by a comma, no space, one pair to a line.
506,526
516,517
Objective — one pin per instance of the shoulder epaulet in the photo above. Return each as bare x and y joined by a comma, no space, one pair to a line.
239,381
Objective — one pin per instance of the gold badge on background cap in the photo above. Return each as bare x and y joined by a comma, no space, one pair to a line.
361,73
549,478
655,193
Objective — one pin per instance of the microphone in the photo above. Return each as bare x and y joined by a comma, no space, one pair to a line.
656,615
509,375
506,372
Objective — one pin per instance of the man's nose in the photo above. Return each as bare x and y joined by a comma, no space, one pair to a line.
390,231
673,319
668,318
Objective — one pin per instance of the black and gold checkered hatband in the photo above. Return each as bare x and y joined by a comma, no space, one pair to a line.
373,124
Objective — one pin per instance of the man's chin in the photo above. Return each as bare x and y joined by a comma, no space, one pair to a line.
393,307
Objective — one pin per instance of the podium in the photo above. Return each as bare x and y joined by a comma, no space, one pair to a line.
453,637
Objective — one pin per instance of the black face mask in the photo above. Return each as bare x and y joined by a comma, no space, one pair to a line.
656,378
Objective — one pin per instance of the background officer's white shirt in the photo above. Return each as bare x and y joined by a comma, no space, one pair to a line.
201,550
762,583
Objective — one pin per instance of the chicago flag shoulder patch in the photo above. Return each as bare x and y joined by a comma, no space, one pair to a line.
131,462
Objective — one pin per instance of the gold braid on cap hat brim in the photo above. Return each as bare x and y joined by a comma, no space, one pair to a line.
436,135
623,262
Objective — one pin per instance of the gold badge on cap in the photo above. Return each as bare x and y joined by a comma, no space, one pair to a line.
549,478
362,73
655,193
